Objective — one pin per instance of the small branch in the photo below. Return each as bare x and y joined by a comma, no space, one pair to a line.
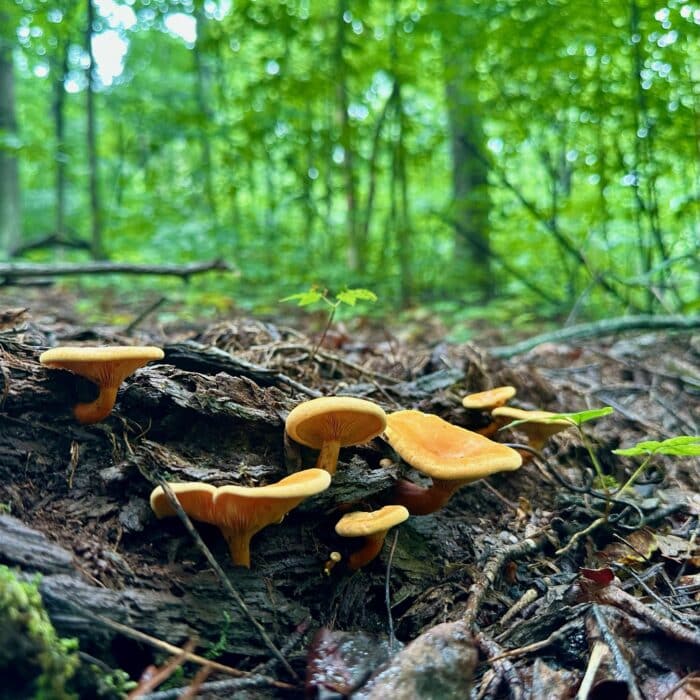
600,328
493,567
13,271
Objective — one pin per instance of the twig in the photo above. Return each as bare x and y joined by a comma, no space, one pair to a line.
492,569
503,667
214,687
11,271
536,646
387,595
599,328
152,680
581,533
140,318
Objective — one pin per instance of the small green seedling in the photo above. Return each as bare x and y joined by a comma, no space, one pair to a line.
315,294
680,446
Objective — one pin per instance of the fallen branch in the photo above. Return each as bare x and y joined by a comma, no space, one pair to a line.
15,271
599,328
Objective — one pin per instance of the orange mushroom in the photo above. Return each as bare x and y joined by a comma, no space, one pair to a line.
487,401
373,526
107,367
241,511
451,456
539,426
329,423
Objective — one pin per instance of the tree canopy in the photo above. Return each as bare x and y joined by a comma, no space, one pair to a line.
542,154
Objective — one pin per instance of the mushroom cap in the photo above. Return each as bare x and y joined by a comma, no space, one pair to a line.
538,424
106,366
196,499
444,451
362,523
491,398
250,508
348,420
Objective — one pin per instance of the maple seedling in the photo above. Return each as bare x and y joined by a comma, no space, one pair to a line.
314,295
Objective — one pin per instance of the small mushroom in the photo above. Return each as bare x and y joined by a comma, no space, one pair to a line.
451,456
107,367
241,511
373,527
329,423
537,425
486,401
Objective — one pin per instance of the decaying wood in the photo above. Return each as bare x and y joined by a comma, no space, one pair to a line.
10,272
596,329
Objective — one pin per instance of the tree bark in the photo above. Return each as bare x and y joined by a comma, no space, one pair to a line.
97,246
10,203
57,108
470,188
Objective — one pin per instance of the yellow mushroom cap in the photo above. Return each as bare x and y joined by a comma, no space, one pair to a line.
444,451
196,499
491,398
253,507
362,523
538,425
347,420
106,366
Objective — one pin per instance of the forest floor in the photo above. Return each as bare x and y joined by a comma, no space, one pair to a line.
522,586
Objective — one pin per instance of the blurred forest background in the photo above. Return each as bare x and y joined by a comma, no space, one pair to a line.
504,159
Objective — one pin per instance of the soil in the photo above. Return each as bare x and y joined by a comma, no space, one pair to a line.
76,508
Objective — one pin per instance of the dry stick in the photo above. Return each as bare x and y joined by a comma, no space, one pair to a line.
503,667
193,689
173,649
387,596
621,664
220,572
160,675
140,318
493,567
536,646
214,687
581,533
612,595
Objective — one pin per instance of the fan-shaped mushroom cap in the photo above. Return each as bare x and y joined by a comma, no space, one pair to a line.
538,425
105,366
489,399
196,499
362,523
241,511
444,451
373,526
329,423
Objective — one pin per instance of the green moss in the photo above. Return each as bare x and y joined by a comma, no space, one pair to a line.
34,661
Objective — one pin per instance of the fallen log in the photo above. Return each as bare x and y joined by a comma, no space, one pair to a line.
9,272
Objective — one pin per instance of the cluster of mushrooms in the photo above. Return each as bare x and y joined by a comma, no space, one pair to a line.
450,455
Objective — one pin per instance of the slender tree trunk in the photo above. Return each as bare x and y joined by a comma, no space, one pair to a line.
202,101
96,243
404,220
470,187
10,203
57,108
355,257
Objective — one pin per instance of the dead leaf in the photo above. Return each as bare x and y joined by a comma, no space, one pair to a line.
636,549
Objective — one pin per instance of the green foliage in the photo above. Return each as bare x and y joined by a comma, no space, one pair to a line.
301,143
29,645
581,417
681,446
350,297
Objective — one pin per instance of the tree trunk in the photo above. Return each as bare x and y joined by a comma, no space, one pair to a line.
470,187
355,257
10,205
57,108
96,244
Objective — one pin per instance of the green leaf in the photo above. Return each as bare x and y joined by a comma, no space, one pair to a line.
352,296
681,446
583,416
305,298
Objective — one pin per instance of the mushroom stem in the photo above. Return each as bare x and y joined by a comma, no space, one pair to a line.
420,500
238,545
328,456
369,550
101,407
